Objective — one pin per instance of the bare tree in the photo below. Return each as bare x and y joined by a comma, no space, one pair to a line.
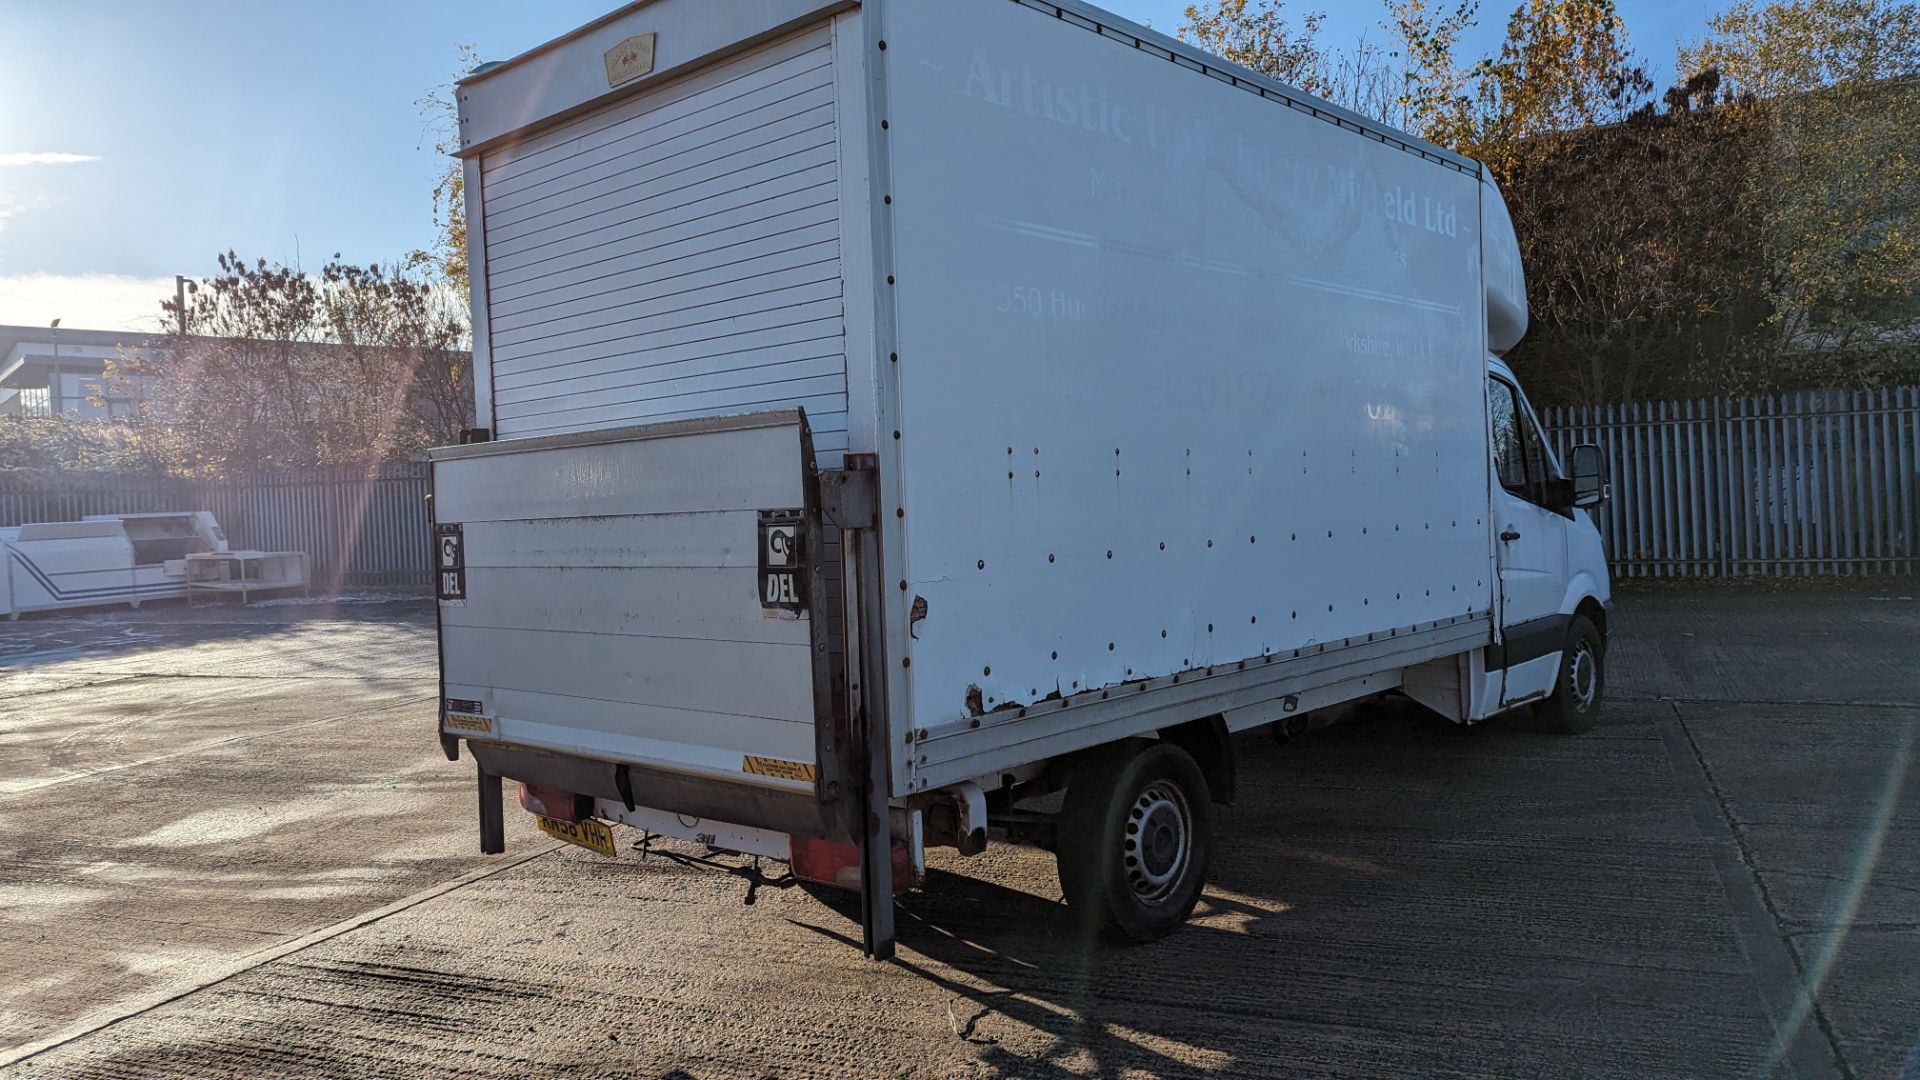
442,117
353,366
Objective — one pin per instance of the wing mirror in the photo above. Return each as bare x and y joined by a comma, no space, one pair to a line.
1589,468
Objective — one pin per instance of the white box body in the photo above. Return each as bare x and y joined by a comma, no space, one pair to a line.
1172,376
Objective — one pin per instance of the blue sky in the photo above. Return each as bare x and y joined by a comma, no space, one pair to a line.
137,139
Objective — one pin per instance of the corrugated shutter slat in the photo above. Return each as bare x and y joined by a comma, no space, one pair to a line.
674,255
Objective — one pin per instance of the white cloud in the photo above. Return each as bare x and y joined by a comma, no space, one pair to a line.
45,158
84,301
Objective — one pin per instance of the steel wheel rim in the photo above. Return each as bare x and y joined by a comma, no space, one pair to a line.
1583,675
1157,841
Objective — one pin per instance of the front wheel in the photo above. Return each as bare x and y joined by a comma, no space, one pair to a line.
1135,835
1574,705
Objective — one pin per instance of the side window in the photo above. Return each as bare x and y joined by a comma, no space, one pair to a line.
1509,444
1539,466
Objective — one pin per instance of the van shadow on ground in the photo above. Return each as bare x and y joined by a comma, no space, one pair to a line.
1395,895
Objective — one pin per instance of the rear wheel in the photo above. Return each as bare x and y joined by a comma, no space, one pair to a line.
1135,836
1574,705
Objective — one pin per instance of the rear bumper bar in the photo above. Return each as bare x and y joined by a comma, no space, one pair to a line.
796,813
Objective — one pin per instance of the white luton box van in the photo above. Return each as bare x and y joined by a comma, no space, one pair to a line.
896,414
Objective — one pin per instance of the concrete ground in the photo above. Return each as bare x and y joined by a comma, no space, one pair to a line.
229,847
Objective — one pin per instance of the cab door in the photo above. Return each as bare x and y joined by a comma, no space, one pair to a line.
1530,542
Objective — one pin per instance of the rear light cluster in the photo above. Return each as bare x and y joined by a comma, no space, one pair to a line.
825,862
829,862
556,804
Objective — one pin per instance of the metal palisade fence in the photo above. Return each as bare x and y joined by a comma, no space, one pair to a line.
361,528
1783,485
1815,482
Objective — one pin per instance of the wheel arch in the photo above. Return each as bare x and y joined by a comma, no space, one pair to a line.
1586,595
1208,742
1594,612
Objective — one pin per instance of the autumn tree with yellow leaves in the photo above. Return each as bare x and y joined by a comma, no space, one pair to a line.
1752,228
1834,189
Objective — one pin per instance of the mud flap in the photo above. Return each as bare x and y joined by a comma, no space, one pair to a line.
493,826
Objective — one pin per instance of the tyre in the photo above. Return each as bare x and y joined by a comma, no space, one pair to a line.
1135,835
1574,705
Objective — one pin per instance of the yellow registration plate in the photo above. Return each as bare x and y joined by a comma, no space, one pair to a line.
590,834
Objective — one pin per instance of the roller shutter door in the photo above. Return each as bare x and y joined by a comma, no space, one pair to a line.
674,255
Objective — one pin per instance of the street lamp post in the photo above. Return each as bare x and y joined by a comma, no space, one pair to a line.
53,382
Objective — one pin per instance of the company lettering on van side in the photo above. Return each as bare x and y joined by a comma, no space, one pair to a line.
1084,107
1090,108
1410,208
